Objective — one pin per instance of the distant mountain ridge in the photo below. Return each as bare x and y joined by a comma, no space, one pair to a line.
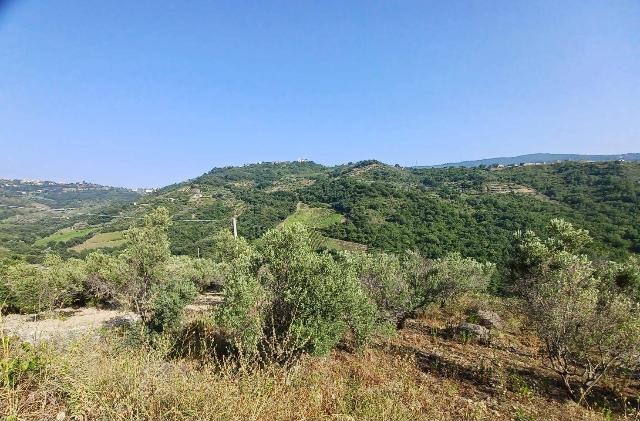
536,158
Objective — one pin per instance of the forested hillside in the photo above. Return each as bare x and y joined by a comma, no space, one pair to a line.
471,210
369,204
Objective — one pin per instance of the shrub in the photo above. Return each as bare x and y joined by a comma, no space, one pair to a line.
454,275
385,281
107,276
19,360
168,303
623,277
227,248
294,299
201,272
242,312
587,329
56,283
144,277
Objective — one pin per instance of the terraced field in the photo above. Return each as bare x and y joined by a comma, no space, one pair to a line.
64,235
103,240
317,218
313,217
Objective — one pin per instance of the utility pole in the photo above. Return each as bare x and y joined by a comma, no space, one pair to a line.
235,227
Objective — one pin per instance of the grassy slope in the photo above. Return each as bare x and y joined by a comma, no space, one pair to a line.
419,374
64,235
314,217
318,218
103,240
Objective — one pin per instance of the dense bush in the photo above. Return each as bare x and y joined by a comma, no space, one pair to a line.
33,288
226,248
385,281
168,303
294,299
200,272
454,275
622,277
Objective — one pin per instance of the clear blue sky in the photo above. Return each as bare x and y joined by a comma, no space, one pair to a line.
145,93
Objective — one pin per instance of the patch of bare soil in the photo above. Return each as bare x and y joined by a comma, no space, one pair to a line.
204,302
67,322
62,323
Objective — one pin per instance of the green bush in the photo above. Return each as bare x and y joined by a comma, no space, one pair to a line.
107,275
454,275
227,248
201,272
55,283
168,303
294,299
622,277
20,360
242,313
385,280
589,330
145,278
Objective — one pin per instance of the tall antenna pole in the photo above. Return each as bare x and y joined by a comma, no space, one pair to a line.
235,227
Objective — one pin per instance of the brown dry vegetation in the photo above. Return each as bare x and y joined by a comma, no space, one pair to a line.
424,372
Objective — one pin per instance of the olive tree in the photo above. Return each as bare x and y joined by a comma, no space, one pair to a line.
144,277
454,275
288,298
385,281
588,330
33,288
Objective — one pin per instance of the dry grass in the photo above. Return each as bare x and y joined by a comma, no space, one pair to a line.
419,374
103,240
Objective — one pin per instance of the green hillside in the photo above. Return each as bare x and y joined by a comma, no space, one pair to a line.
434,210
471,210
40,215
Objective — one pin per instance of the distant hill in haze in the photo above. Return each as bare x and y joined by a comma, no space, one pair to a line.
32,212
535,158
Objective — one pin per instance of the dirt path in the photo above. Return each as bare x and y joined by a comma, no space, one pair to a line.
68,322
63,323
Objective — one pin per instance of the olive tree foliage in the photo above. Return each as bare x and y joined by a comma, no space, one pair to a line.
589,330
30,288
145,277
284,294
200,272
385,281
226,248
242,314
285,297
454,275
623,277
400,285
